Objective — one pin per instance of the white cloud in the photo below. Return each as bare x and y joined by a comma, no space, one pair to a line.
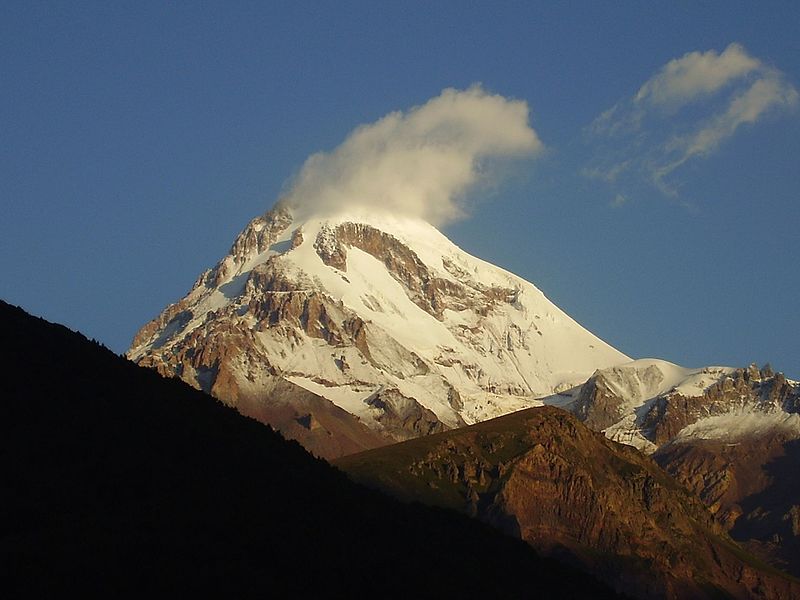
748,107
420,162
695,75
648,137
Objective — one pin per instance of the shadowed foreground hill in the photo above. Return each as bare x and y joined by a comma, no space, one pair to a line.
118,481
543,476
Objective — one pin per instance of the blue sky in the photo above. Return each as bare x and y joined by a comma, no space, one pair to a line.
139,138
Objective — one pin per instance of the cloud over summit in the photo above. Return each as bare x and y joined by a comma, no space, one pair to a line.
419,162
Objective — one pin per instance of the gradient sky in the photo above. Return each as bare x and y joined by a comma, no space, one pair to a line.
139,138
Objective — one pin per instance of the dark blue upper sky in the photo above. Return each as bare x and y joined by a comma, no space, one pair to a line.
139,138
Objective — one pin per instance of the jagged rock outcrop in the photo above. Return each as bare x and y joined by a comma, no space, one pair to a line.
380,317
743,389
543,476
750,485
648,403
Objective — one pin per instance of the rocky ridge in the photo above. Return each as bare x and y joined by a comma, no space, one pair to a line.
648,403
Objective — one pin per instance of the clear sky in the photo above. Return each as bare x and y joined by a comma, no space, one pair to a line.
663,212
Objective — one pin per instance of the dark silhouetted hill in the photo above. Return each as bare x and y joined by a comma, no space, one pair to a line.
120,482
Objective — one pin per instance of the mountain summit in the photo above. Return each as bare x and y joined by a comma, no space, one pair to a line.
349,331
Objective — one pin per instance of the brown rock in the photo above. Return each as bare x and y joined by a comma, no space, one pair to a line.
569,492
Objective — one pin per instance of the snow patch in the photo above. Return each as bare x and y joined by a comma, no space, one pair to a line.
740,423
348,397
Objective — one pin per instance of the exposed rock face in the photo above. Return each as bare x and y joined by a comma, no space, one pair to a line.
729,435
751,486
602,400
383,319
648,403
569,492
760,390
322,427
404,418
432,294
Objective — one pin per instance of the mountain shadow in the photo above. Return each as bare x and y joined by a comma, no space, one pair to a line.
119,482
771,518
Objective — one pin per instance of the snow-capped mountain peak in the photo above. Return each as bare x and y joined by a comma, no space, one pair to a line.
379,315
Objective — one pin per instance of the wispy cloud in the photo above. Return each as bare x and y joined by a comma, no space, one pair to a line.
685,111
695,75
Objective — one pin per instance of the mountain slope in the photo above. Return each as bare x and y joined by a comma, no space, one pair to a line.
649,402
378,315
730,435
119,482
750,483
570,492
